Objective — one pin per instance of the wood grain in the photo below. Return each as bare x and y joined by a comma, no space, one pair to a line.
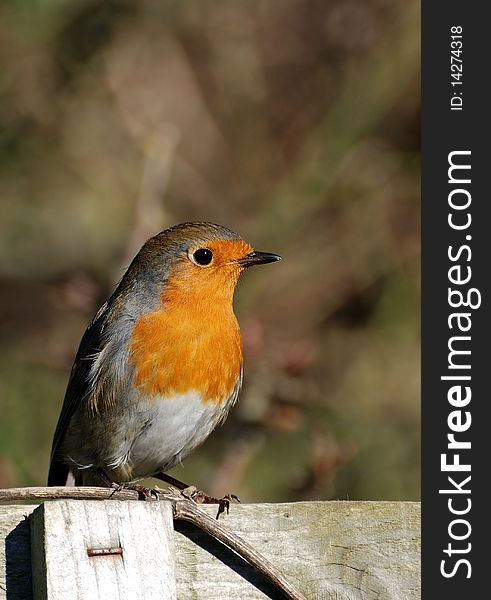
102,549
329,550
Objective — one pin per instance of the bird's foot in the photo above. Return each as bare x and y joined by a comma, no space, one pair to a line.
144,493
192,493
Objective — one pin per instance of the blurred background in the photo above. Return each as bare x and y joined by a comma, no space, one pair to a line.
294,123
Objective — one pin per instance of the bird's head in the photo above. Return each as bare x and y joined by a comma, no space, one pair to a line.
200,260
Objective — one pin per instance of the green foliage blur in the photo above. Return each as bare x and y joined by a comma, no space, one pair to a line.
294,123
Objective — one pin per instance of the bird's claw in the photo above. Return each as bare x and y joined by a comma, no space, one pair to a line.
144,493
192,493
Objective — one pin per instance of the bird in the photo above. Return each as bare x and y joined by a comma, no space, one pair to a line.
160,365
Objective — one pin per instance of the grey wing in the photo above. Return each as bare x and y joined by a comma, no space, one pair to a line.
77,389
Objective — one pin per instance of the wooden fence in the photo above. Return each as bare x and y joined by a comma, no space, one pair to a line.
111,549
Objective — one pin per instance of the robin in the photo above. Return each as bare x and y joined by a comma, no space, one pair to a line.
160,365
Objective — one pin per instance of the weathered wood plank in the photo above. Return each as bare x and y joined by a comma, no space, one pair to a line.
330,550
15,552
71,541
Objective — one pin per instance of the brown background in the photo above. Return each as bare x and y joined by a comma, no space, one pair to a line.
293,122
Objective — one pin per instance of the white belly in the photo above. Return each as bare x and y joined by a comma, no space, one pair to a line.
173,427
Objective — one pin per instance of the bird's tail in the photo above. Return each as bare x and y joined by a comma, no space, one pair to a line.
58,472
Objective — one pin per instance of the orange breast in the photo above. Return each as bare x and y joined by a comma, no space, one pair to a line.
190,342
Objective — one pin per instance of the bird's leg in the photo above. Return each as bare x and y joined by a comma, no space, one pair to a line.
192,492
102,475
180,485
143,492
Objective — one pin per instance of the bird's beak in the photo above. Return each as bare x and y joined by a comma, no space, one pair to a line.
257,258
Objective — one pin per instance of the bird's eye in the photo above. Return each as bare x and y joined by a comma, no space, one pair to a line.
203,256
